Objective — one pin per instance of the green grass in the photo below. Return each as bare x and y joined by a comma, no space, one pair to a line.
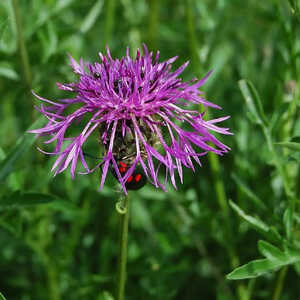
235,218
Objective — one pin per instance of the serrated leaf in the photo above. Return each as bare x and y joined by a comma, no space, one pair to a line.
270,251
290,145
253,102
19,200
22,145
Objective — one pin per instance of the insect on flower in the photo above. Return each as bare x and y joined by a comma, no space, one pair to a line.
136,106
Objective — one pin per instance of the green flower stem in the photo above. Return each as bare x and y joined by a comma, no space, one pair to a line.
279,283
153,23
123,209
222,201
52,281
22,46
190,24
219,185
278,164
109,20
213,159
284,177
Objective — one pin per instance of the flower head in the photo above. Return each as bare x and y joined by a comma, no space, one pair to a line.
137,107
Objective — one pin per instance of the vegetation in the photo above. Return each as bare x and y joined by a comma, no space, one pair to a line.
231,231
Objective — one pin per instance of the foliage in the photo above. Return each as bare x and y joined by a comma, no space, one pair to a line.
237,217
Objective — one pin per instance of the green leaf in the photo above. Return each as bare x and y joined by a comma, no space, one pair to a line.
8,32
92,16
2,154
19,200
6,70
278,116
288,222
271,252
295,6
242,185
22,145
222,55
290,145
254,269
269,232
106,296
255,222
274,260
2,297
49,40
253,102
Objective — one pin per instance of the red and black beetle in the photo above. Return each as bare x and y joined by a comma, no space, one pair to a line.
136,180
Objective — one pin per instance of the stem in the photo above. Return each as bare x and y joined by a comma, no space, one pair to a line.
22,46
190,23
109,20
284,177
279,284
52,281
153,23
214,163
123,209
219,185
278,164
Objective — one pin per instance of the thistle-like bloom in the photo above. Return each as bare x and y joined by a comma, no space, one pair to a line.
137,107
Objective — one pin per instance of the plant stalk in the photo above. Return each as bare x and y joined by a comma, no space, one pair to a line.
109,20
123,209
22,46
214,163
279,283
153,23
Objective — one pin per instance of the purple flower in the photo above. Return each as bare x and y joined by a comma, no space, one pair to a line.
137,107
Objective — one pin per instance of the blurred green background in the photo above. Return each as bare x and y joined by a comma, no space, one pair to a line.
59,237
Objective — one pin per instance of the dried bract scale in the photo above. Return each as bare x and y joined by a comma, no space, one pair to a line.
136,106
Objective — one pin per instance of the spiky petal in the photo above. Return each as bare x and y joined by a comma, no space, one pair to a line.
140,98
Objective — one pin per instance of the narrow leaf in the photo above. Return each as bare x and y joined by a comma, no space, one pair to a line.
271,252
288,222
7,71
275,260
254,269
257,223
269,232
243,186
23,144
253,102
2,297
19,200
92,16
290,145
